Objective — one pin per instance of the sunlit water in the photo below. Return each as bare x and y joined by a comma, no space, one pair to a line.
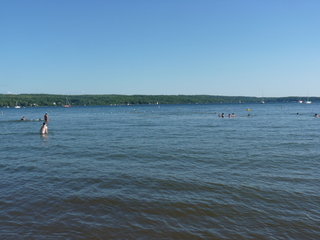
161,172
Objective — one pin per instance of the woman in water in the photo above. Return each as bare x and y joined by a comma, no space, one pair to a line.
44,128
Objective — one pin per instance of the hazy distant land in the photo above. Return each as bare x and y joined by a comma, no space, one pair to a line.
33,100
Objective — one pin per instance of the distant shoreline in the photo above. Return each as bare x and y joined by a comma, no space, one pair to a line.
34,100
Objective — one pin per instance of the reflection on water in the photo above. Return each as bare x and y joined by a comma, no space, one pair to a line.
44,137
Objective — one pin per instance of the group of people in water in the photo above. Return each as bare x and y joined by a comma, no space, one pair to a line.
229,115
44,127
233,115
315,115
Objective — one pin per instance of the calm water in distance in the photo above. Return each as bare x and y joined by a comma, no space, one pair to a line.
161,172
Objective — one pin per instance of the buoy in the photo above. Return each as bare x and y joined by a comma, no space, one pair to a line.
248,109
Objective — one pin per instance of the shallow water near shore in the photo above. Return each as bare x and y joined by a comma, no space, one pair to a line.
161,172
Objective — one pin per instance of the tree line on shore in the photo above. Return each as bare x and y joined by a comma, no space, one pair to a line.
34,100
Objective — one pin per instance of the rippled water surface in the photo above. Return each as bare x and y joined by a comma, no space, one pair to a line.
161,172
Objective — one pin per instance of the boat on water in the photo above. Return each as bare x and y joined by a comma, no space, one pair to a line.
300,101
308,101
67,103
17,106
262,99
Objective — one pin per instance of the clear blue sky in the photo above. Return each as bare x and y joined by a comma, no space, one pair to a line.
214,47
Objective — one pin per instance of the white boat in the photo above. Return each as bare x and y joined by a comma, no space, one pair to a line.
300,101
17,106
308,102
262,100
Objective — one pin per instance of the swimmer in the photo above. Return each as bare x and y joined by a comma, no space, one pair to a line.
46,117
44,128
23,118
222,115
316,115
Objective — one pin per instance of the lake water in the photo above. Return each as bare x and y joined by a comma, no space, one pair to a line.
161,172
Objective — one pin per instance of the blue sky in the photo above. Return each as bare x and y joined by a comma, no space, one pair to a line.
214,47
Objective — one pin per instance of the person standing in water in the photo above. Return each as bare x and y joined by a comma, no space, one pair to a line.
46,117
44,128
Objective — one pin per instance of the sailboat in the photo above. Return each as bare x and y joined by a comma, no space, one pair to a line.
67,103
17,106
262,101
308,102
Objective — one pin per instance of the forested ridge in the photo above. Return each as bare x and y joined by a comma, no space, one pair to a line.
33,100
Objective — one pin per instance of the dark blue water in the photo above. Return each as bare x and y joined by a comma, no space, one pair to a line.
161,172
